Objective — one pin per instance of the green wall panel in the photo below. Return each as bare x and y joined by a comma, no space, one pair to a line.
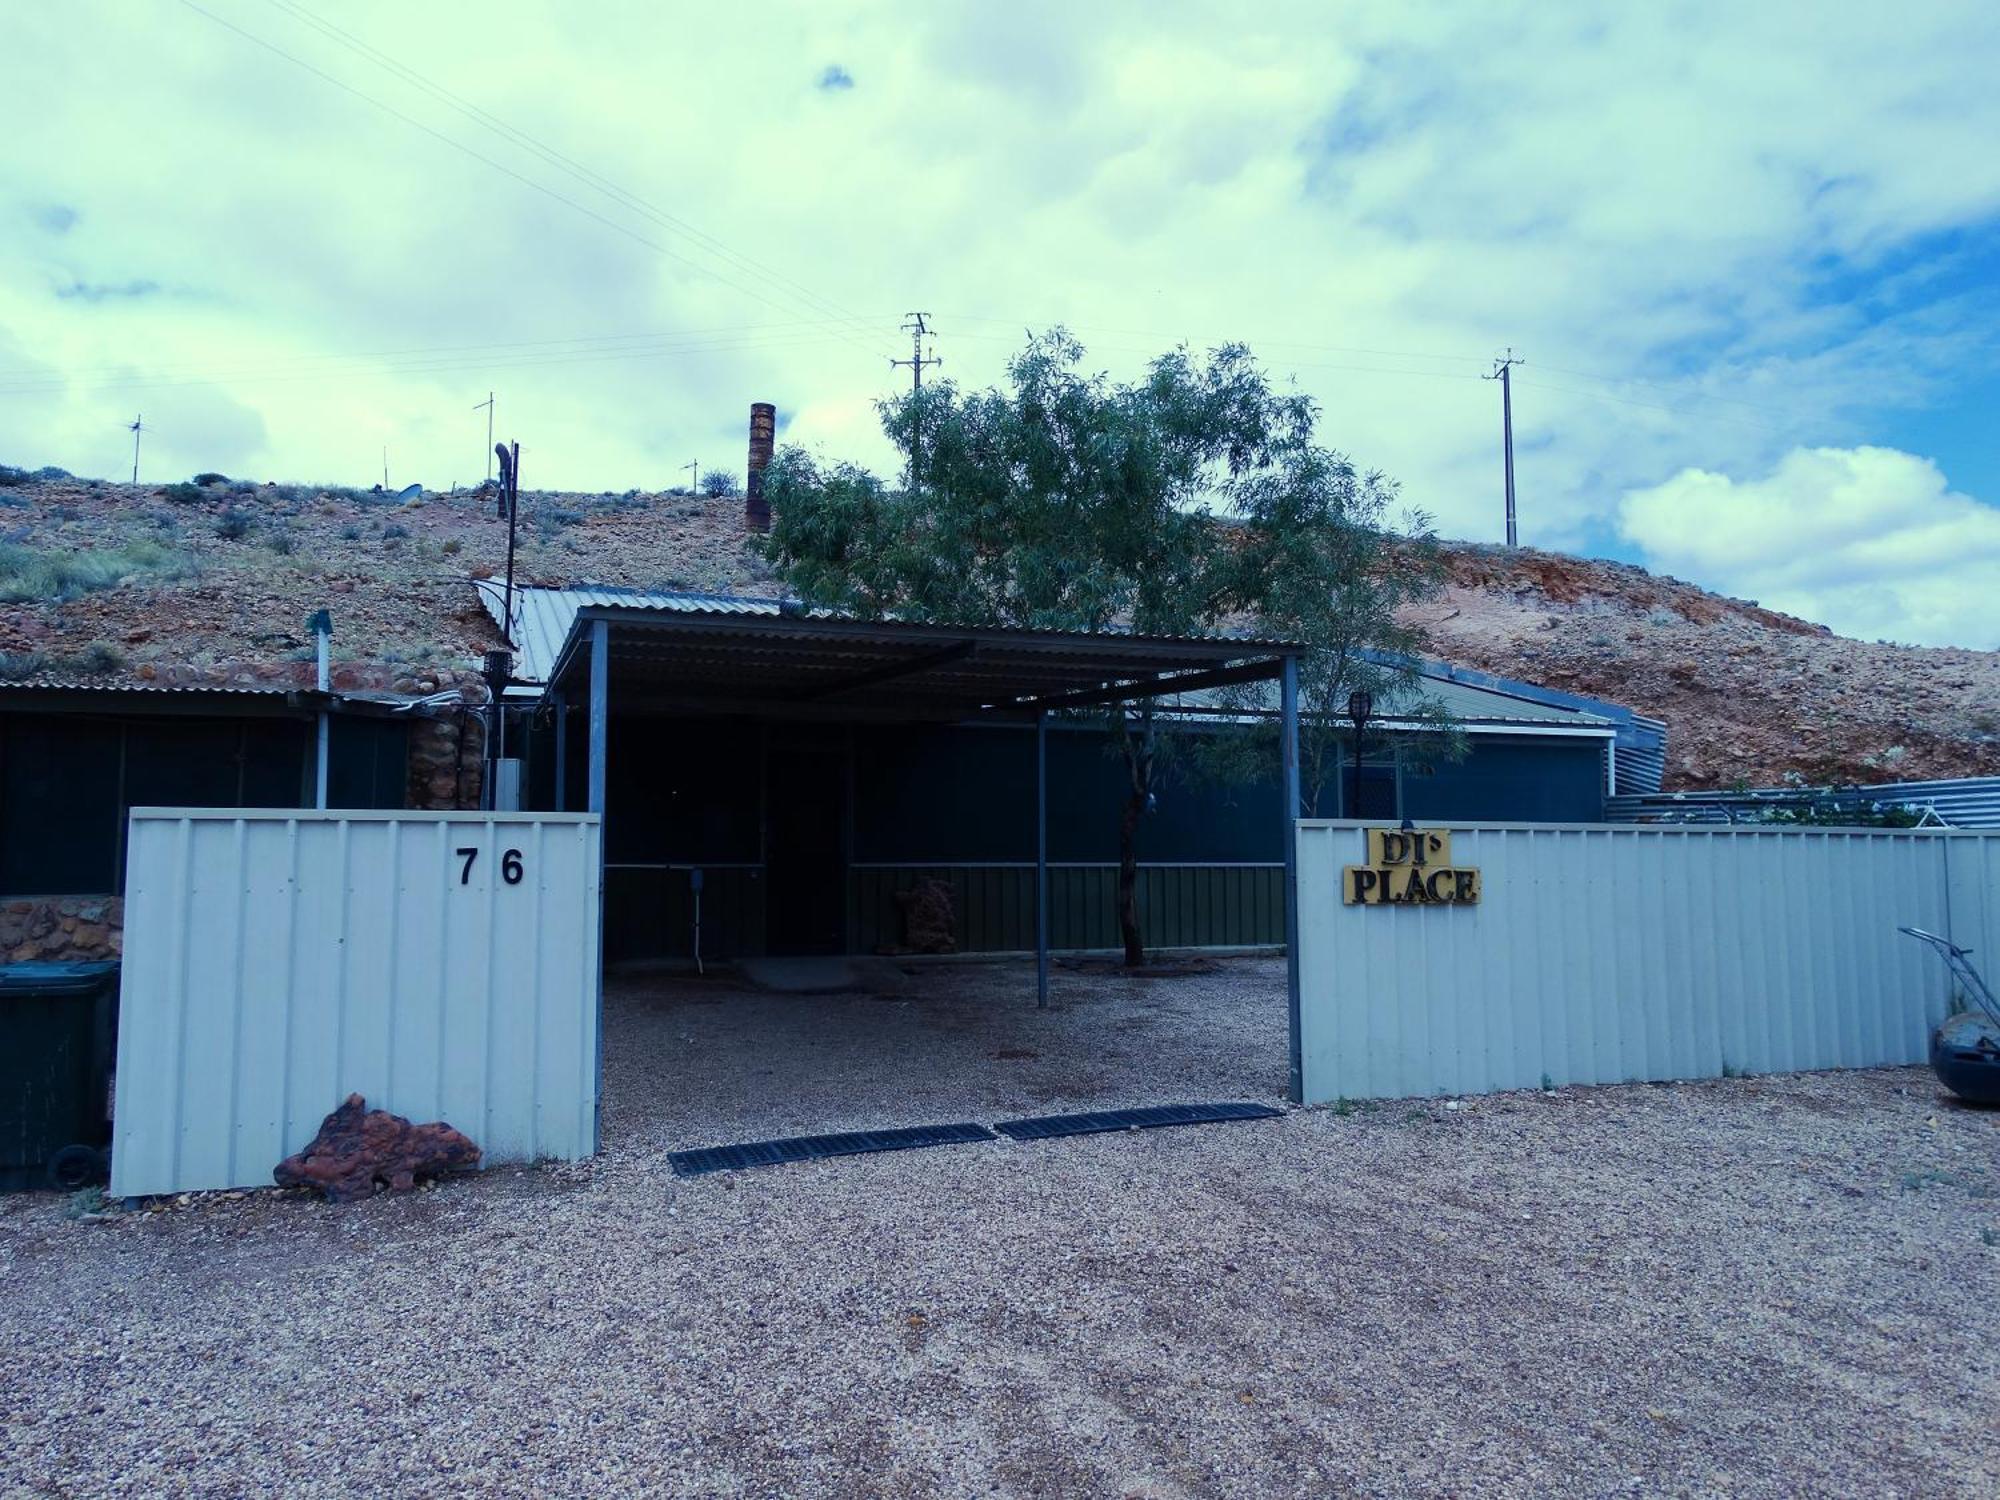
1180,906
650,914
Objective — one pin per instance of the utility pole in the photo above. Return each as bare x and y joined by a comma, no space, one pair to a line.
917,326
487,406
136,426
1501,367
694,477
385,467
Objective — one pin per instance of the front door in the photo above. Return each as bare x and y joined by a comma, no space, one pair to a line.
805,856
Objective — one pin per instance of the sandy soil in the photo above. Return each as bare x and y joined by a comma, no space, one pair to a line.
1750,1287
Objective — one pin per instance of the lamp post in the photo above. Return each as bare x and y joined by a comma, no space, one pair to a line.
1360,708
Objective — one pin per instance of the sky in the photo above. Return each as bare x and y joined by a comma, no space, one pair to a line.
1746,254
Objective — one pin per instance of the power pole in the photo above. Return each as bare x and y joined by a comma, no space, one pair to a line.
487,406
136,426
1501,367
694,477
917,326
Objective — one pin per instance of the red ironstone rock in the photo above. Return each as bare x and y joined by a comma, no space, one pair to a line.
358,1147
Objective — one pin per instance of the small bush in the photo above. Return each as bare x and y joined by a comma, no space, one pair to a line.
395,531
566,517
717,483
350,532
185,494
50,471
451,548
97,657
208,477
18,665
281,541
11,477
31,576
233,525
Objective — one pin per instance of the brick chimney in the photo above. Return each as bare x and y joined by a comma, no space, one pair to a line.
763,433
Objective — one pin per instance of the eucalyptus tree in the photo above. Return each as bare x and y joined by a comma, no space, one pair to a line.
1191,501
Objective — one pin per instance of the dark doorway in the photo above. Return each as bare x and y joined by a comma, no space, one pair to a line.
805,855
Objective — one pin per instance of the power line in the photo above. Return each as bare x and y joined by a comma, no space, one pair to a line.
499,167
561,162
429,367
285,362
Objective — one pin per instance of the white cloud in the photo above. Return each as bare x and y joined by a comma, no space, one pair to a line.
1645,193
1871,541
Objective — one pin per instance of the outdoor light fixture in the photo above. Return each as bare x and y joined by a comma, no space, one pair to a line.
1360,707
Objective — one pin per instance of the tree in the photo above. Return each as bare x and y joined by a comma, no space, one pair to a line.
1071,502
718,483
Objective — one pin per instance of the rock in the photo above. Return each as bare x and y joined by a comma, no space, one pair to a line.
357,1147
927,917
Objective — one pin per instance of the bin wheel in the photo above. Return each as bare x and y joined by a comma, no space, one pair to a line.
76,1167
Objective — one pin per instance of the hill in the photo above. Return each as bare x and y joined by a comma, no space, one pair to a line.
212,583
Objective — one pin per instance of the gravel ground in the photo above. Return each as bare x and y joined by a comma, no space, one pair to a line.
1749,1287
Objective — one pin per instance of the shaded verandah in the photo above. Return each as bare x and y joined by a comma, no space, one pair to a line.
777,663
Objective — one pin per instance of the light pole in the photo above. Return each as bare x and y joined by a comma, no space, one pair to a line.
1360,708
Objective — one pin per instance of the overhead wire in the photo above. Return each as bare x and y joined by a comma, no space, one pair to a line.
562,162
488,161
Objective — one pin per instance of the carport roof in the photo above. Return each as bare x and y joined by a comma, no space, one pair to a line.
786,661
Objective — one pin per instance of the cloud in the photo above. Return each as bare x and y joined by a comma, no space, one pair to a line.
1717,232
56,218
103,291
836,77
1871,541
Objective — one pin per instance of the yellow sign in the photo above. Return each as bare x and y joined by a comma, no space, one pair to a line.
1409,867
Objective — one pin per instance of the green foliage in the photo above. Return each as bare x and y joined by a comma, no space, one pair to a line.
185,494
716,483
31,576
233,525
1192,501
50,471
395,531
13,478
210,477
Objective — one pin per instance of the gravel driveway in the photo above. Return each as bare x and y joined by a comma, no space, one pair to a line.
1749,1287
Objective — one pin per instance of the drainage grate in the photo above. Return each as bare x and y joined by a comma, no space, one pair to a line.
814,1147
1045,1126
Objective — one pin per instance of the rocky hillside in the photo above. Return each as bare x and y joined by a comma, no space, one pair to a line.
1748,694
212,583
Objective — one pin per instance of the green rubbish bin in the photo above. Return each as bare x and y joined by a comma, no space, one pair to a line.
58,1039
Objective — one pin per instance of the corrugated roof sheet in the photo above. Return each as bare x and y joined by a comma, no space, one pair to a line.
127,685
543,616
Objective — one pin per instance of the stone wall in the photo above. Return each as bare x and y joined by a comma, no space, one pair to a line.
61,927
446,761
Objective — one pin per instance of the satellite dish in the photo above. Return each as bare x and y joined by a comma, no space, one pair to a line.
410,492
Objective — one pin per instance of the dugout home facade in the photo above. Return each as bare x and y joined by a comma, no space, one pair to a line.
772,780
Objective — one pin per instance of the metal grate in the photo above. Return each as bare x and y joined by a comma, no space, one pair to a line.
817,1147
1044,1127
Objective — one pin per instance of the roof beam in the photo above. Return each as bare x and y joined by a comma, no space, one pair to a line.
1157,687
891,671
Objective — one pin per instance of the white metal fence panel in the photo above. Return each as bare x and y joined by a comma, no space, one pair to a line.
1613,954
443,965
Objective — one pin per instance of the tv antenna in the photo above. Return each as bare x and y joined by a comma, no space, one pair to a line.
136,426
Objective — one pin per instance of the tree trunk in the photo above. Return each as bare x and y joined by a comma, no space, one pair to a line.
1128,879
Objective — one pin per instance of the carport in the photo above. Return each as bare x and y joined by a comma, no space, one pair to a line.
777,662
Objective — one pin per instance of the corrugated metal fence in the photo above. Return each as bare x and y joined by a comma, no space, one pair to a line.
1966,802
1609,955
443,965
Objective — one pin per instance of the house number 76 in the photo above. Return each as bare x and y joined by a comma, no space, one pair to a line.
510,866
